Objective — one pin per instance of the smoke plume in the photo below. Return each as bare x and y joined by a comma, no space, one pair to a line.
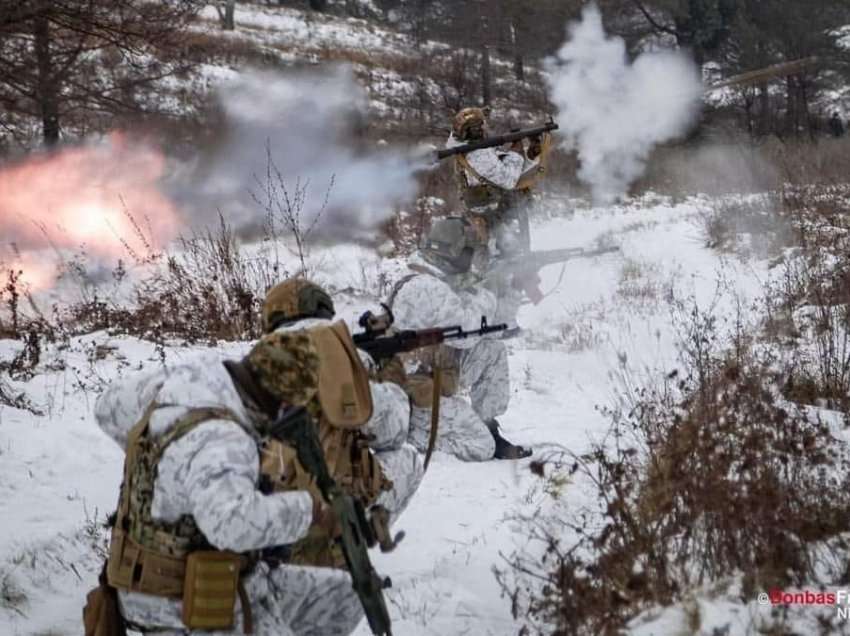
118,198
614,112
307,122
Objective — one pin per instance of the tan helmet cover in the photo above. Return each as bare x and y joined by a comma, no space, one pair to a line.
466,119
293,298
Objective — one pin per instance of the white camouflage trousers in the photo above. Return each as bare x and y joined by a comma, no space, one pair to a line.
462,429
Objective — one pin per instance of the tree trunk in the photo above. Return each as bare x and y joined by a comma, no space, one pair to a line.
803,106
46,91
790,105
752,126
228,23
318,5
764,123
485,76
486,80
519,66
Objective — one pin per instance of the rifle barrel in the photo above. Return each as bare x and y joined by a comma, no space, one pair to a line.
566,254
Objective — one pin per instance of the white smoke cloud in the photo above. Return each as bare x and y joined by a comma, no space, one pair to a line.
613,112
308,121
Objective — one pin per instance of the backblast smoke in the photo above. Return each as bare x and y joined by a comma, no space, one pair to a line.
305,124
117,198
612,111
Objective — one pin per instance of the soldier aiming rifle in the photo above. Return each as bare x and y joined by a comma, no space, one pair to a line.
382,346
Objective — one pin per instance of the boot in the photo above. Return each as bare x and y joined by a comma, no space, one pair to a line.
504,449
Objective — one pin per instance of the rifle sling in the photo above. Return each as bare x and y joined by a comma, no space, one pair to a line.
435,413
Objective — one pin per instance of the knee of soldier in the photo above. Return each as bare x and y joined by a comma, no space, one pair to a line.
415,466
494,350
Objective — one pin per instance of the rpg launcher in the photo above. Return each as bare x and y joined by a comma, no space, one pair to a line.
498,140
295,426
382,346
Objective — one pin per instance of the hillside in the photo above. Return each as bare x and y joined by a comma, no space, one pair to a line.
686,397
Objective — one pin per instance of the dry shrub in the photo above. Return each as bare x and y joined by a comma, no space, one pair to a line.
744,166
808,306
639,283
208,290
756,225
235,50
704,476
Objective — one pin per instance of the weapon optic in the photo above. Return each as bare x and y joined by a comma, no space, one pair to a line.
498,140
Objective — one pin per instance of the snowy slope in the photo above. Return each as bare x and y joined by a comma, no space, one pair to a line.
58,470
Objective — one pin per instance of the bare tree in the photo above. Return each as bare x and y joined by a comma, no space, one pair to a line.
67,60
226,11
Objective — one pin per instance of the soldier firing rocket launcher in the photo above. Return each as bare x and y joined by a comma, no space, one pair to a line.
498,140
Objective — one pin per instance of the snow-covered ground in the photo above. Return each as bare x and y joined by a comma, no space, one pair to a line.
59,474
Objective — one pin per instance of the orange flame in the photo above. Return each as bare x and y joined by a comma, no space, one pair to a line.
104,199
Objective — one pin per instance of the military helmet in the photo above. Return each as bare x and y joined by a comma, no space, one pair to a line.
468,118
450,245
293,299
286,366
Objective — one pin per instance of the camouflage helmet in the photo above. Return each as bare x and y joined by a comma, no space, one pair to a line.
450,245
468,118
286,366
293,299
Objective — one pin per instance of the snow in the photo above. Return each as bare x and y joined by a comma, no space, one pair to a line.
58,471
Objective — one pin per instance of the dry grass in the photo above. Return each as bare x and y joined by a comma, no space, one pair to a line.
639,284
683,459
744,166
12,596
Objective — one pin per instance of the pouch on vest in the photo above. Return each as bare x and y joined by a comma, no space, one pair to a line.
210,589
134,568
101,615
344,393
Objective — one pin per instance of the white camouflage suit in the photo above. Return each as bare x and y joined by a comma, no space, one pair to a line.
428,299
503,169
212,474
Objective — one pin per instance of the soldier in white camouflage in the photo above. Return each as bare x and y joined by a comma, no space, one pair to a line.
203,479
284,311
495,183
443,290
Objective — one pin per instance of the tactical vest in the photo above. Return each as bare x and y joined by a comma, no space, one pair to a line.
149,556
481,195
172,559
146,555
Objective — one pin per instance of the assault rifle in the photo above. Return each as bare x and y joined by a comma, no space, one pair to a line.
522,268
381,346
295,426
498,140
